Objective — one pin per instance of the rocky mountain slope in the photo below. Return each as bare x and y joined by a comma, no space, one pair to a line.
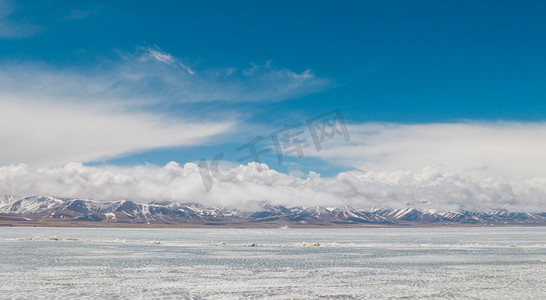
43,210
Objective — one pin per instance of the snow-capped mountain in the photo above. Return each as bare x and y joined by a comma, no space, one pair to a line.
45,209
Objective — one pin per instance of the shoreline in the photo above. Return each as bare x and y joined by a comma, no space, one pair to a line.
83,224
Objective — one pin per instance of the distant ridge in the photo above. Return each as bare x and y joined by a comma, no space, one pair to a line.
47,211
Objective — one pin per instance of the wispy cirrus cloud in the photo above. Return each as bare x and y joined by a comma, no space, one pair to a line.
160,75
150,76
166,58
52,115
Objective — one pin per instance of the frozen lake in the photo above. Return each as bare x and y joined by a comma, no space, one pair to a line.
470,263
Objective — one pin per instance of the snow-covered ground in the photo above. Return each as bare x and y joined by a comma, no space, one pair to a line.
481,263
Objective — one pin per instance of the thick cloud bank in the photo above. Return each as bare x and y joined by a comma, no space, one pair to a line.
512,150
431,187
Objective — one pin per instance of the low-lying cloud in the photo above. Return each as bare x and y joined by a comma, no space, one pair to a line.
430,188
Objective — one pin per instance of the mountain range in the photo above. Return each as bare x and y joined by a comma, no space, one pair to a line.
52,211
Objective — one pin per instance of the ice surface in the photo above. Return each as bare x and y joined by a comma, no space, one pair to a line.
477,263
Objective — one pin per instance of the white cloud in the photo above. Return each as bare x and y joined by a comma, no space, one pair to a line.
47,134
476,166
510,150
157,54
258,83
151,76
51,116
433,188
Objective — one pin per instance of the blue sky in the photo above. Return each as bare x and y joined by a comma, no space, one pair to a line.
105,83
400,61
